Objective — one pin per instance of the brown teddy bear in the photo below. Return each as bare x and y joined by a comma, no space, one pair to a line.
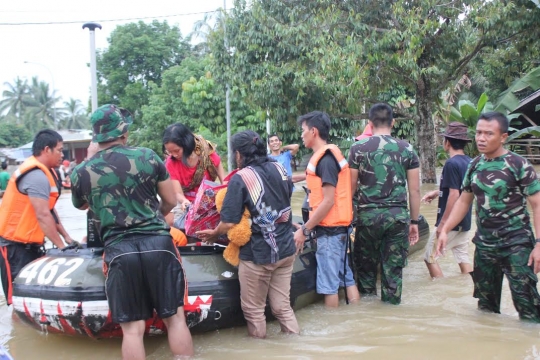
238,235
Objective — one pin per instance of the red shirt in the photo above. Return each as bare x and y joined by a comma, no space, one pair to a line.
182,173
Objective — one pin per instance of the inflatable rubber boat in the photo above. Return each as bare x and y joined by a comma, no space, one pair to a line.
64,291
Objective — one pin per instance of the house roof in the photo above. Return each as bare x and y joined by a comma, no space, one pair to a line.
528,105
69,136
18,154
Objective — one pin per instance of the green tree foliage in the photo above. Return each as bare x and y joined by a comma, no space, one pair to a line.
15,99
287,65
204,102
297,56
165,106
136,58
508,101
34,105
42,107
13,135
467,113
190,95
74,116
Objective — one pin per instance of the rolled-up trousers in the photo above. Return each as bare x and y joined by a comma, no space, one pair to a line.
257,282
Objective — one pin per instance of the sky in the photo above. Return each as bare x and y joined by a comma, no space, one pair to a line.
59,54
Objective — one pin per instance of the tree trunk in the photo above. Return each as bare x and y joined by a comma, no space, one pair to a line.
427,144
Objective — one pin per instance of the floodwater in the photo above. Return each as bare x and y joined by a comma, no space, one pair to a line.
436,320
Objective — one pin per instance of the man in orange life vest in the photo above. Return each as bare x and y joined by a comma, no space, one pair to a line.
328,180
27,211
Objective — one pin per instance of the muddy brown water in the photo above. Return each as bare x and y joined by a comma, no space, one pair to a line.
436,320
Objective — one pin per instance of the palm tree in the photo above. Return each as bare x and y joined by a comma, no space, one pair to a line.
203,28
43,104
74,115
15,99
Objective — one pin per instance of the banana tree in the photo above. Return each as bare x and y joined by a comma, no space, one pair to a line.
507,101
532,130
467,113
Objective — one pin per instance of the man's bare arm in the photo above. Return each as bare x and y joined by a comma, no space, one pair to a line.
60,228
168,197
413,184
46,221
298,177
354,180
293,148
534,257
453,196
534,201
459,210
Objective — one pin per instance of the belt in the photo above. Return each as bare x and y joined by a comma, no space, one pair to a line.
334,230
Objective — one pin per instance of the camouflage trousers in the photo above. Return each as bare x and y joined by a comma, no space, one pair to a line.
386,242
489,267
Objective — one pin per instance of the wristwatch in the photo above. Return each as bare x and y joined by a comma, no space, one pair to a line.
306,231
415,222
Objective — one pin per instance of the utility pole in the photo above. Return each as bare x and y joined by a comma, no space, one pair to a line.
93,73
227,93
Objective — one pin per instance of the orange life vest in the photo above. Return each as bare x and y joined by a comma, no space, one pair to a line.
341,213
18,220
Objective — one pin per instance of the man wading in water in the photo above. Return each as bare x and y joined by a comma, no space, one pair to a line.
143,271
501,182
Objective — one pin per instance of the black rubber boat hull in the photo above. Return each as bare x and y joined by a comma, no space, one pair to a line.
63,292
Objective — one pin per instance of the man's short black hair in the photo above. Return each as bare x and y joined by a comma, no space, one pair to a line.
271,136
44,138
381,115
457,144
498,117
318,120
4,165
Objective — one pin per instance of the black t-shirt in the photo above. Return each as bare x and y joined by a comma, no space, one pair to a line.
328,169
266,191
451,178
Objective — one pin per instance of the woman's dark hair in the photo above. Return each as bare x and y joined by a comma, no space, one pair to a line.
251,147
180,135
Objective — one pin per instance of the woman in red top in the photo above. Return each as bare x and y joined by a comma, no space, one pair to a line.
191,159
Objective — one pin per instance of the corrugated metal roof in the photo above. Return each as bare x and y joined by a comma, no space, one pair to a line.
69,136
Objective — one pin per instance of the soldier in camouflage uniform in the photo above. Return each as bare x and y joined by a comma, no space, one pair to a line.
383,169
143,271
501,181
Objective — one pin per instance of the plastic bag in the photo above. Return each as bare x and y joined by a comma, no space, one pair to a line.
203,214
180,221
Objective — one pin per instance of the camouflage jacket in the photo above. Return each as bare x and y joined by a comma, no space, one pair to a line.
501,186
120,186
382,163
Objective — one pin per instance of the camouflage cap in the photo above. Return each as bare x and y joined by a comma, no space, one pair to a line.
456,130
109,122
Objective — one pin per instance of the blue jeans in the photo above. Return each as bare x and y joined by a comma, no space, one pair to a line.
331,263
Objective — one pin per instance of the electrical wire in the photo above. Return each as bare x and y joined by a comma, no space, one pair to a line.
107,20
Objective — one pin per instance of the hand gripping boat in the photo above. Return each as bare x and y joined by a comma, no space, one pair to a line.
64,291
